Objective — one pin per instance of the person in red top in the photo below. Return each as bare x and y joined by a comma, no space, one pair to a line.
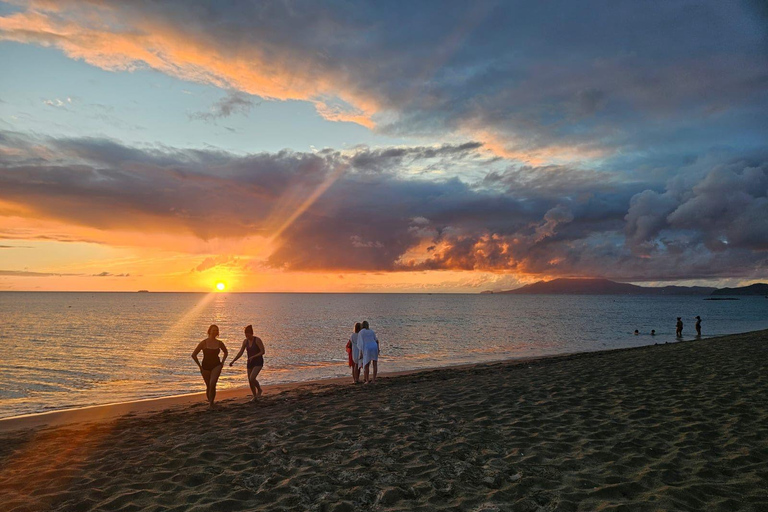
353,354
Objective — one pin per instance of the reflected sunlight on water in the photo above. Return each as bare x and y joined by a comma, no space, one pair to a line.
74,349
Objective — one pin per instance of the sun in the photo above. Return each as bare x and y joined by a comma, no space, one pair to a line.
220,286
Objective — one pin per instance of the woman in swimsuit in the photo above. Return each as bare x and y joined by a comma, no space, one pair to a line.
255,348
211,366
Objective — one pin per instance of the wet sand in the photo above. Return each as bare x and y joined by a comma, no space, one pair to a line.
682,426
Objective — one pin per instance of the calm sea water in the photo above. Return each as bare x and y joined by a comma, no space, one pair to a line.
65,350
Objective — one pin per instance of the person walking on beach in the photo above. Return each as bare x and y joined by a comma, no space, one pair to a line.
211,366
255,349
698,326
355,357
679,328
368,344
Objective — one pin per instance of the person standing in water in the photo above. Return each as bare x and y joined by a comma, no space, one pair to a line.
355,357
698,326
211,366
679,328
255,349
368,345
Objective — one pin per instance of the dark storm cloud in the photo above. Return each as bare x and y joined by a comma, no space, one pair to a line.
709,221
728,208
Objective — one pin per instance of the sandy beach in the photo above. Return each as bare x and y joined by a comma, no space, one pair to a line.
679,426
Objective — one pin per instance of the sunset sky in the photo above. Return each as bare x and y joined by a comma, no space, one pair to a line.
381,146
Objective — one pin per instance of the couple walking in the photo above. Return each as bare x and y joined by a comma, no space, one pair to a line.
211,366
363,350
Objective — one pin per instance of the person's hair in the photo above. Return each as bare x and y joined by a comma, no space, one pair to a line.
212,328
248,330
358,327
365,324
678,318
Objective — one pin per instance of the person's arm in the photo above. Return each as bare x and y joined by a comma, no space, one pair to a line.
378,346
242,349
197,350
261,351
226,352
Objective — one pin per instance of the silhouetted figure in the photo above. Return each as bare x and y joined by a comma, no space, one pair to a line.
653,332
679,328
255,349
698,326
637,333
211,366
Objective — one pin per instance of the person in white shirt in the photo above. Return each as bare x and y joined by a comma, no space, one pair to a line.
355,357
368,344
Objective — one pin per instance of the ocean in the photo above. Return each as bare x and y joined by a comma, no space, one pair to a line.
64,350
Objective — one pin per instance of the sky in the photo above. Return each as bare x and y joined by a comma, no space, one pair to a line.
335,146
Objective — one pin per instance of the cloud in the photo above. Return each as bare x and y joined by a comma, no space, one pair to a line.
558,83
57,103
216,261
26,273
110,274
361,210
728,208
233,103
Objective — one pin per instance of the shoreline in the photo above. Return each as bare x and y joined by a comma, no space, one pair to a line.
145,406
676,426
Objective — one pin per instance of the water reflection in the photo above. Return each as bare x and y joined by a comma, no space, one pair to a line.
73,349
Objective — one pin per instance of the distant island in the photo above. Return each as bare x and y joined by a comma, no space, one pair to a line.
569,286
753,289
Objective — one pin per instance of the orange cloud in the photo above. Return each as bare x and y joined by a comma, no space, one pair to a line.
118,41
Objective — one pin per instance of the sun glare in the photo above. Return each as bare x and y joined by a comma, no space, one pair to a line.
220,286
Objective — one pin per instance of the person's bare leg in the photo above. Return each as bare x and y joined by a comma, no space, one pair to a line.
214,379
250,383
367,367
207,378
375,369
255,386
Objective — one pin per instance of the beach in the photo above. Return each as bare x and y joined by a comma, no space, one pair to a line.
678,426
